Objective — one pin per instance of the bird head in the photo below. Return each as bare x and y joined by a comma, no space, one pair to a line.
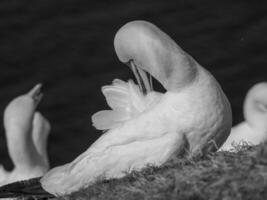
21,110
144,46
255,106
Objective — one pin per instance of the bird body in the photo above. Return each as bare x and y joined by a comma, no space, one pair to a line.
253,130
243,133
197,113
176,111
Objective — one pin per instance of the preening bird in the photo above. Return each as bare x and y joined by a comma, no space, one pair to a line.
26,133
144,126
253,130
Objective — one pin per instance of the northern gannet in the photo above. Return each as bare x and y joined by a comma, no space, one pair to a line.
26,133
144,126
253,130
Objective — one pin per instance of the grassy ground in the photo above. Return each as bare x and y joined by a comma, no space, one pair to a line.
222,175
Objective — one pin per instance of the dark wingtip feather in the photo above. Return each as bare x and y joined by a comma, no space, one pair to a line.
29,189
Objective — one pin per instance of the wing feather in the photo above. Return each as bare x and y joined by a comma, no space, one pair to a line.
107,119
126,101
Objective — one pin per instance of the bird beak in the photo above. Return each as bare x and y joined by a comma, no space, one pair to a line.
144,81
36,94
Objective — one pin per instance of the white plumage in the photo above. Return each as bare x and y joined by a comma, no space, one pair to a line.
26,133
143,126
253,130
126,101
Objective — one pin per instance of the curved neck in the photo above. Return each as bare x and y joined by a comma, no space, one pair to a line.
155,52
21,148
170,65
183,73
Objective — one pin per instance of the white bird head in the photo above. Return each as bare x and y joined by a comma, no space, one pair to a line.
255,106
150,49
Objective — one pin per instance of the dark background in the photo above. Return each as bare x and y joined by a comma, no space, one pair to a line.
68,46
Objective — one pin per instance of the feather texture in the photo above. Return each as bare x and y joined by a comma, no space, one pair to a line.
126,101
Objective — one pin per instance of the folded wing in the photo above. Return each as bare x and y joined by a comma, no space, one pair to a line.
126,101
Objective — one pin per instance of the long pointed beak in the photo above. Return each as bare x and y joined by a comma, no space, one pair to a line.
36,94
144,83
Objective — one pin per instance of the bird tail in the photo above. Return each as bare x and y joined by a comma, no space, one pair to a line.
29,189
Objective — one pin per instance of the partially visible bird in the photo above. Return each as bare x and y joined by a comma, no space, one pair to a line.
26,133
144,126
253,130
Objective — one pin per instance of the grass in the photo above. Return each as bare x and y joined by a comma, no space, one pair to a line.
221,175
